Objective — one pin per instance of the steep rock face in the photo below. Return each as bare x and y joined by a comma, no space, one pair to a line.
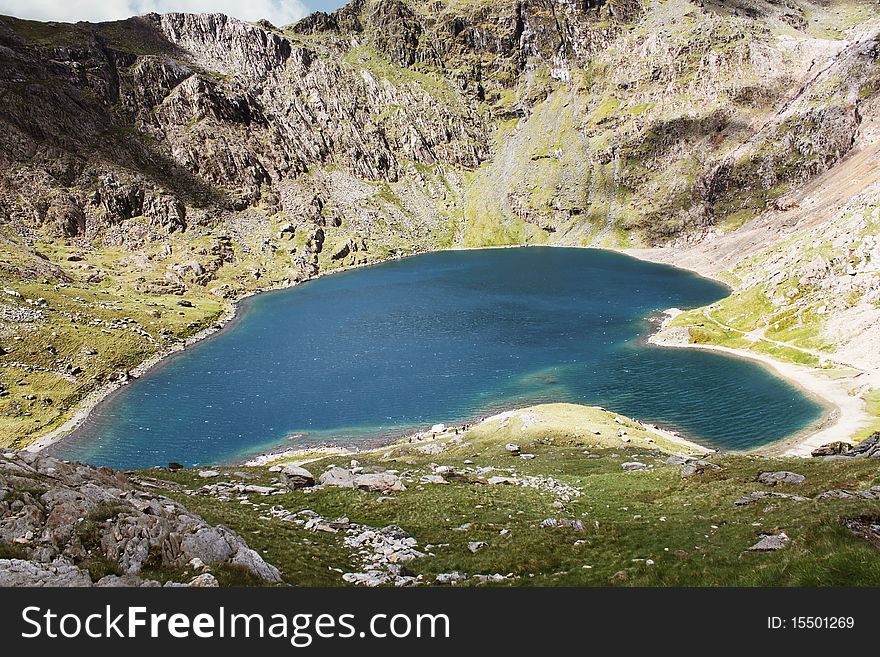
211,112
70,520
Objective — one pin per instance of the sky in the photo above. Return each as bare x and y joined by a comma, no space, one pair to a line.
278,12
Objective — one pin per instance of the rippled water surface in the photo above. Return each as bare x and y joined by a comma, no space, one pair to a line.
439,338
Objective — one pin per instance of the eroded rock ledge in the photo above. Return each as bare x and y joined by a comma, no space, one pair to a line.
67,524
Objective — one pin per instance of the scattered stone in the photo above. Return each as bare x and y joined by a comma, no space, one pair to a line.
575,524
433,479
770,543
502,480
207,474
632,466
129,525
455,577
513,448
476,546
760,495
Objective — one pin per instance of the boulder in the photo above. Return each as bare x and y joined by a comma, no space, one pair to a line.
379,483
339,477
295,477
632,466
250,560
781,477
205,580
124,581
832,449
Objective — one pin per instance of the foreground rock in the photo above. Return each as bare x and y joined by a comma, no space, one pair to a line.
295,477
770,543
381,482
60,518
781,477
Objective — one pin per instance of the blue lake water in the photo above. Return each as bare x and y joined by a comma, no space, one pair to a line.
441,337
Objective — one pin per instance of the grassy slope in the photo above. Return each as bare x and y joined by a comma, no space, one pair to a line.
690,528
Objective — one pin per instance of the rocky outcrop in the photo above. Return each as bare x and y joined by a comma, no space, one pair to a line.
868,448
64,521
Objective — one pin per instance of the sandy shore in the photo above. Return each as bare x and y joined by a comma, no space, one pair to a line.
846,413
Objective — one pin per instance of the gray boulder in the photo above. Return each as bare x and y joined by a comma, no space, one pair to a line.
379,483
337,477
455,577
295,477
781,477
868,448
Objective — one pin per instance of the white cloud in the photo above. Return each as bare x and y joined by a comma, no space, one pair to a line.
279,12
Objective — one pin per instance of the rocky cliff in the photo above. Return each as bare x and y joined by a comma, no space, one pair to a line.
153,169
